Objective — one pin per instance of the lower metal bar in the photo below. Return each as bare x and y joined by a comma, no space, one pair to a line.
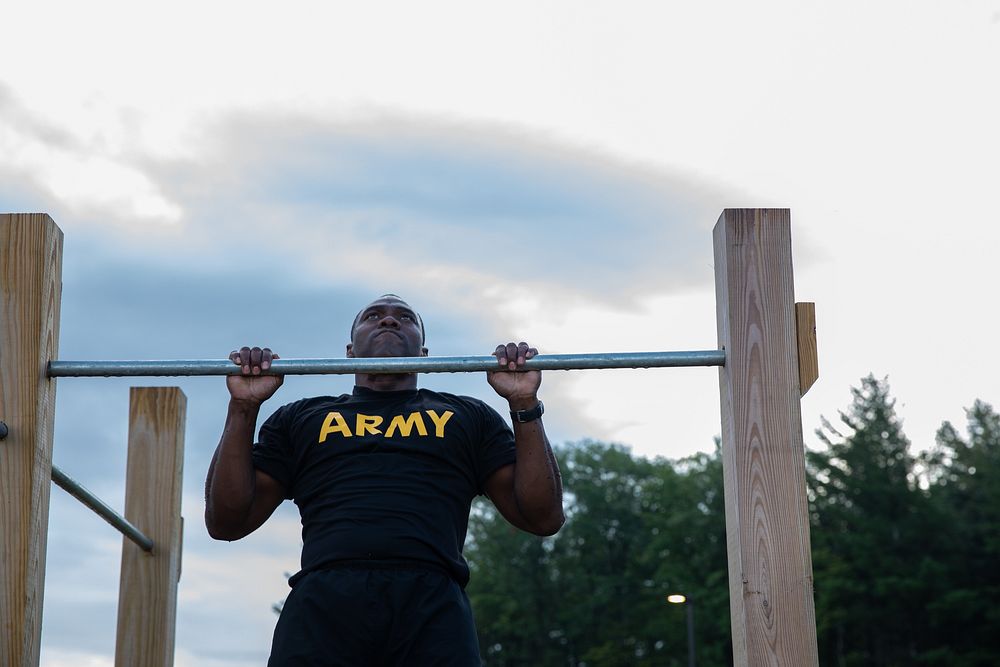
78,491
386,364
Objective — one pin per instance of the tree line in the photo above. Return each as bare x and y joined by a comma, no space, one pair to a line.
905,546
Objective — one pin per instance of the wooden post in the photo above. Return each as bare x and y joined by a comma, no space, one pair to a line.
147,596
767,520
31,257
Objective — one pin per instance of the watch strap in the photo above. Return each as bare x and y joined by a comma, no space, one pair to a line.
530,415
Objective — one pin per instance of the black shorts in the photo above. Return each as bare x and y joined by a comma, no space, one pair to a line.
362,617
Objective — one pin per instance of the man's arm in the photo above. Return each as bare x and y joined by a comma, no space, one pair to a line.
238,497
528,493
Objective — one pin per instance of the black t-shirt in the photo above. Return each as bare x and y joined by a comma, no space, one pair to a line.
384,475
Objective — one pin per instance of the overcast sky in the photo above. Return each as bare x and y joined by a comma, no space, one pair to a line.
230,173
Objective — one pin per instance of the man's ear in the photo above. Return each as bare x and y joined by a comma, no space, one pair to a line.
350,350
423,352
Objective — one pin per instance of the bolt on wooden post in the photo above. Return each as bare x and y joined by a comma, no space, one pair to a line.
767,519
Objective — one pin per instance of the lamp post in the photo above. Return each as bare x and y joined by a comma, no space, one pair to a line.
677,598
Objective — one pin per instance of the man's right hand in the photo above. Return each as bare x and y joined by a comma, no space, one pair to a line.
250,385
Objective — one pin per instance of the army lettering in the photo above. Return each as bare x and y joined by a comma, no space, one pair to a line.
404,425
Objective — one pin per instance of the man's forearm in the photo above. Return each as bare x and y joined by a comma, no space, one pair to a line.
229,488
537,482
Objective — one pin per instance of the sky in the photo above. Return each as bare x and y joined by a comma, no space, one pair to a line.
254,173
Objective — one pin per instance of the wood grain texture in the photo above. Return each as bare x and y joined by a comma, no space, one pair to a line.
31,257
805,328
147,596
767,523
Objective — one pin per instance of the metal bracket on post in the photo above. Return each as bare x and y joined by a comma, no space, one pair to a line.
805,334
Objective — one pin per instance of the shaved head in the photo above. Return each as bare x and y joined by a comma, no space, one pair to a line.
390,297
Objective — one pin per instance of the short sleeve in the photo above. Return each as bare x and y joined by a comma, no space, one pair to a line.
496,448
273,452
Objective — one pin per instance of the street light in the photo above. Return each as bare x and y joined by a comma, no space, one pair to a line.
677,598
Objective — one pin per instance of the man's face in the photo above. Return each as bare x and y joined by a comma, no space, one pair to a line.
387,327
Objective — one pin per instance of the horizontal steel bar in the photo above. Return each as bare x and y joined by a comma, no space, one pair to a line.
386,364
78,491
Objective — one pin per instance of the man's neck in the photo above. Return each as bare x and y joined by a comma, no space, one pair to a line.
386,381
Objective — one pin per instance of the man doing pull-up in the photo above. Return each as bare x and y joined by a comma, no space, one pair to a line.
384,478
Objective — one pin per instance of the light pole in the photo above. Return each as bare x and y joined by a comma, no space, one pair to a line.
677,598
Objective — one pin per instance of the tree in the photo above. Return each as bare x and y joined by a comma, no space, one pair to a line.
512,588
595,594
870,543
965,488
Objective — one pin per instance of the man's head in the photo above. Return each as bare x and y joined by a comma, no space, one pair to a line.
387,327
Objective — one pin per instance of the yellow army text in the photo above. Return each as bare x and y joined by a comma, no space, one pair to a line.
370,425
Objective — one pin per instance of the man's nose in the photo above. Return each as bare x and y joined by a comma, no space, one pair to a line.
389,321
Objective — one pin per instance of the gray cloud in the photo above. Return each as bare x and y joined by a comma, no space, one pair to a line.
488,199
25,122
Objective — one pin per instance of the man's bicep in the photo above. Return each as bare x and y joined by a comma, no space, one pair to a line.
268,494
499,488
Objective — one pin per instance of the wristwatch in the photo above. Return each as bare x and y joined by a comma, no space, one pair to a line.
524,416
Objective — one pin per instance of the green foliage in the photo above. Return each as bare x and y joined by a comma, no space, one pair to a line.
595,594
869,536
965,489
904,570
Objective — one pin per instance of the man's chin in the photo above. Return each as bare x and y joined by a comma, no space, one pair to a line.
386,351
382,354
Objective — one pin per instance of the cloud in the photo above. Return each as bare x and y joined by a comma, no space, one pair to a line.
212,588
55,657
404,198
20,120
81,580
464,212
84,168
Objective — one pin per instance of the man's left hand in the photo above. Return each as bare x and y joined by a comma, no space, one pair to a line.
520,386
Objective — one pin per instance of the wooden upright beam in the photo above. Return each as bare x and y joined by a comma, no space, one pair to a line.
767,520
147,596
31,272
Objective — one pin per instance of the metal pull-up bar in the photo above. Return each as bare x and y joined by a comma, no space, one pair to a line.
81,493
548,362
